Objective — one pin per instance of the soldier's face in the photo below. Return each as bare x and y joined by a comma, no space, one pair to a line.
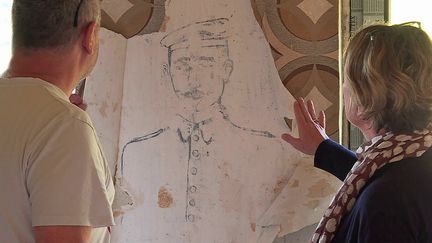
199,75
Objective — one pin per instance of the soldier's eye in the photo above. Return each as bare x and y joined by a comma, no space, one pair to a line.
204,63
183,67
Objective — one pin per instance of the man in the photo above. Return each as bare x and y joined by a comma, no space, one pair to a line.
55,182
187,185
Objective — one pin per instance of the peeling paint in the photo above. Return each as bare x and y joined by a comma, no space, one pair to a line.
280,185
312,204
164,23
320,189
103,109
253,227
294,184
115,107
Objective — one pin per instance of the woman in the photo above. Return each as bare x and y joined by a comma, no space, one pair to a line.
387,195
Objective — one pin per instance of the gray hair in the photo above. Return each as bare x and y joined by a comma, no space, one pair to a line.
49,24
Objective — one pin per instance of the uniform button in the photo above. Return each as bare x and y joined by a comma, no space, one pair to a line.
196,138
193,189
195,153
194,171
192,202
190,218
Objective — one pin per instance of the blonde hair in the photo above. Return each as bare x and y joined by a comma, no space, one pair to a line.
389,72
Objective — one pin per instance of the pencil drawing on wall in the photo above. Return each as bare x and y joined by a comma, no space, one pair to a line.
197,153
199,69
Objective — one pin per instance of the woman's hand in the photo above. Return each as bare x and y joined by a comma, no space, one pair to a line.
310,127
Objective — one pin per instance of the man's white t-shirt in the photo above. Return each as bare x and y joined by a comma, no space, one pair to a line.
52,168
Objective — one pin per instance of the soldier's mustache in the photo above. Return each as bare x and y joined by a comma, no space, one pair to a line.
194,94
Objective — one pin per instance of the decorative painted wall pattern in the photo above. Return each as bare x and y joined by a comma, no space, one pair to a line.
132,17
303,35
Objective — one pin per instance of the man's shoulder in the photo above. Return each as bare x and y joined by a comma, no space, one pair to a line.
49,101
66,111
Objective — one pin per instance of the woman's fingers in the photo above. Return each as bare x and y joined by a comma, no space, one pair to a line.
298,113
321,119
311,110
306,115
310,130
297,143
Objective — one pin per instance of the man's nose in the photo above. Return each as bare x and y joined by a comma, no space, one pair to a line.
194,77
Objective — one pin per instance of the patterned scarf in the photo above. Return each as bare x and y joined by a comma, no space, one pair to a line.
372,155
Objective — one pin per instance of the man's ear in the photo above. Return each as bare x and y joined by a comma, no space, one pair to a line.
90,37
229,68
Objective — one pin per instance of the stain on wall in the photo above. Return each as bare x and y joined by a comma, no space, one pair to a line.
320,189
165,199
